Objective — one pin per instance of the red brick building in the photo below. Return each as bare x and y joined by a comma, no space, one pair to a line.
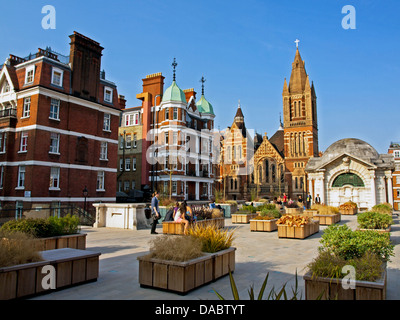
59,121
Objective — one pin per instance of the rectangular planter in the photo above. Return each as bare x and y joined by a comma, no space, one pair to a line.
243,218
332,288
73,241
284,231
348,211
309,213
293,211
229,208
263,225
172,227
327,219
182,277
72,267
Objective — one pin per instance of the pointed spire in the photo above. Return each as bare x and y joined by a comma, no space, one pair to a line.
298,77
174,64
285,87
239,114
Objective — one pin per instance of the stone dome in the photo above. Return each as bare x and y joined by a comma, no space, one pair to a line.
351,146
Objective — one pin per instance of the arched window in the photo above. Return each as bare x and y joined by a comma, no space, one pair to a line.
347,178
267,171
282,173
273,173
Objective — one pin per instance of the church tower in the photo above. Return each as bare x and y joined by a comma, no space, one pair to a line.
300,125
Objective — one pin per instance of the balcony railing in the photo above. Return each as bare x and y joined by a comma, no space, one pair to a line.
10,112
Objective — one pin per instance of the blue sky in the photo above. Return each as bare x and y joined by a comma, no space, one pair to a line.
244,49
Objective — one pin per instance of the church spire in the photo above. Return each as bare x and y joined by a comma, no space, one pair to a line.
298,77
239,114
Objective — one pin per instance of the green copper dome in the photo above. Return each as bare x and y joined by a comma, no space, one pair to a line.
174,93
204,106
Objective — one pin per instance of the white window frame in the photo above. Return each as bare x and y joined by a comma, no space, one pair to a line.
54,178
103,150
166,113
100,181
175,113
21,177
121,164
107,122
54,109
27,71
128,141
174,188
128,164
26,111
396,153
133,164
53,78
23,147
134,142
3,139
106,89
6,87
54,143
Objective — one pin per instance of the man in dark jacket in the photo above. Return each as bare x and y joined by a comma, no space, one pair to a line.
155,212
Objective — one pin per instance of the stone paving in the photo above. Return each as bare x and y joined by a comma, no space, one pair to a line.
258,253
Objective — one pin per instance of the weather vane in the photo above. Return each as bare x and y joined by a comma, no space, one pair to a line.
202,80
174,64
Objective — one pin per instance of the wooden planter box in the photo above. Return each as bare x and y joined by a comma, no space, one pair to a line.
72,267
182,277
73,241
243,217
348,211
284,231
172,227
387,230
332,288
309,213
293,211
327,219
263,225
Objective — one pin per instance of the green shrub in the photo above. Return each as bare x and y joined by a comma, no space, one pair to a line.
383,208
275,213
374,220
248,209
368,267
347,244
42,228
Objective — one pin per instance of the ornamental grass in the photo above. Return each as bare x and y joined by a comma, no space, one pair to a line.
325,209
212,238
17,248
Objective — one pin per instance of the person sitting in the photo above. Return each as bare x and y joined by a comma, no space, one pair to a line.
180,217
212,205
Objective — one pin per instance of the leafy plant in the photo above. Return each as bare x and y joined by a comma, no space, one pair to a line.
248,209
374,220
42,228
383,208
270,211
294,221
347,244
212,238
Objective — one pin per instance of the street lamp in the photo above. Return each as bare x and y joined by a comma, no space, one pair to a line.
85,194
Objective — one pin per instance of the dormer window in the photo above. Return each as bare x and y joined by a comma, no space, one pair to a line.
29,75
108,94
6,87
57,77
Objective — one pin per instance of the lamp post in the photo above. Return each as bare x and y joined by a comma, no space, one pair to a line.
85,194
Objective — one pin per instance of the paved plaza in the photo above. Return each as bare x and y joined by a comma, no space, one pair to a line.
258,253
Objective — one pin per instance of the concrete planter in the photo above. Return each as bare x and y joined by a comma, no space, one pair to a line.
73,241
243,217
182,277
332,288
263,225
302,232
72,267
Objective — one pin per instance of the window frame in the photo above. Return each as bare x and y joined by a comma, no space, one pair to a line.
21,177
104,150
23,147
107,122
100,181
54,109
26,110
54,148
54,178
27,71
111,94
61,72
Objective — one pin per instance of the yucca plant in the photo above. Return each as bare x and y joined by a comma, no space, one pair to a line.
212,238
273,295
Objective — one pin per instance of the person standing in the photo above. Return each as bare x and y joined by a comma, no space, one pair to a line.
308,201
155,212
284,202
318,199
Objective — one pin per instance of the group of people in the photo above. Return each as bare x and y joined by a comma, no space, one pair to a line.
181,213
284,200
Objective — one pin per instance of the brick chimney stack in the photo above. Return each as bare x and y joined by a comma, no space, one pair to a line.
85,61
